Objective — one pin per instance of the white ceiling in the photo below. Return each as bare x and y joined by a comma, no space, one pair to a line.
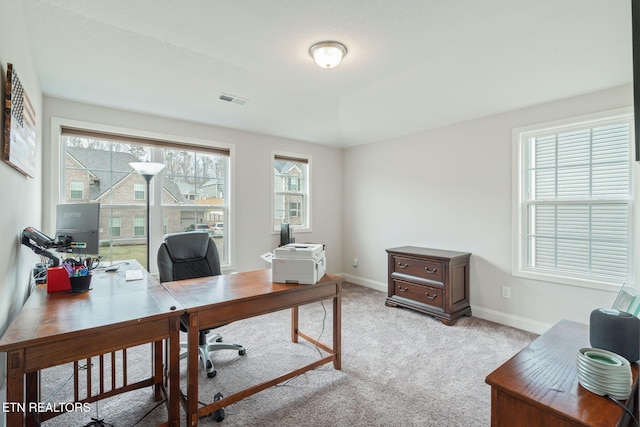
412,65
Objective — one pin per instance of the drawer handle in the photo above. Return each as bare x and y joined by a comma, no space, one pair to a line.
431,271
403,265
430,296
401,289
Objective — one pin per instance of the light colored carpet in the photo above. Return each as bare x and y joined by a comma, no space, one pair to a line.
399,368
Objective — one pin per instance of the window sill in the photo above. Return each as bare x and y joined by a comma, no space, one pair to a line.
570,281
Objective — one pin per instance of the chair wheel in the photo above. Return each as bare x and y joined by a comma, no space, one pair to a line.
242,352
219,414
212,374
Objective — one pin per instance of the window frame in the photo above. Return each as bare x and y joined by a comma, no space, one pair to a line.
306,191
520,204
55,170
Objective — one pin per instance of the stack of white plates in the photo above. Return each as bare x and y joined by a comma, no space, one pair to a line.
604,373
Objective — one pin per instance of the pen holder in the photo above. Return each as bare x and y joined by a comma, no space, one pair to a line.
80,283
58,279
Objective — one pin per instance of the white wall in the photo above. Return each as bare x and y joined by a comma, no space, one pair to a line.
253,176
21,195
451,188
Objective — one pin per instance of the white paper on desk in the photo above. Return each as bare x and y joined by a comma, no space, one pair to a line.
267,257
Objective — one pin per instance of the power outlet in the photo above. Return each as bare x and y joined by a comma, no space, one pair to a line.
354,262
506,292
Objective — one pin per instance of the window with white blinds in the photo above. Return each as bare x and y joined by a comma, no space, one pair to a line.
576,201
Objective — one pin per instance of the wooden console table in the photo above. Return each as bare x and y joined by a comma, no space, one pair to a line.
538,387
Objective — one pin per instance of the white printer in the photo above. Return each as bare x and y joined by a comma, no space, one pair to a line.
302,263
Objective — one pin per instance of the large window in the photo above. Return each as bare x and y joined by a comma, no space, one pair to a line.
575,202
291,201
192,190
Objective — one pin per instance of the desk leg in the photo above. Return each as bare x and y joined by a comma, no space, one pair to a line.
192,370
337,328
33,397
173,361
294,324
15,388
156,356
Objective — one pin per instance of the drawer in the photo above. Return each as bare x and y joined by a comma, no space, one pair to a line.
419,293
430,270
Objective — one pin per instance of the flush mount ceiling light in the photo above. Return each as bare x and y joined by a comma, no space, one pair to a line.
328,54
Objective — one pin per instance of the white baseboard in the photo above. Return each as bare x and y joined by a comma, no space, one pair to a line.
517,322
378,286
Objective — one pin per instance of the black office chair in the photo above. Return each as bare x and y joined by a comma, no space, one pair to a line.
188,256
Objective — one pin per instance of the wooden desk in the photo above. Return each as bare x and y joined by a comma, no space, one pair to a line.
214,301
539,386
61,327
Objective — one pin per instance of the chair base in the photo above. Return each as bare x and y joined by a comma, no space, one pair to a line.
212,344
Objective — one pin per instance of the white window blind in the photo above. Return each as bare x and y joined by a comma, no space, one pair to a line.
577,202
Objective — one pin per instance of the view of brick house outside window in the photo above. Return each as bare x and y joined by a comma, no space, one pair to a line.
290,183
194,184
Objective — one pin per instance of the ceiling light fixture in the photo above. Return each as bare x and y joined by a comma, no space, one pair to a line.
328,54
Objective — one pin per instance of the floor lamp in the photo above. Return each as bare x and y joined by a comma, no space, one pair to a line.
148,170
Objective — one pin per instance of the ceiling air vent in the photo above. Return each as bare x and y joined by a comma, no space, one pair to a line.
232,98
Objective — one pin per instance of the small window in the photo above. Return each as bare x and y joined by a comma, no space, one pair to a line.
138,226
294,183
294,209
139,191
114,230
76,190
291,199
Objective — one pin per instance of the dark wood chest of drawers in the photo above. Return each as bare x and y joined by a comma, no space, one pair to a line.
431,281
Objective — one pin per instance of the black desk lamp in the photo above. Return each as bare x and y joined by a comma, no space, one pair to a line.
148,170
